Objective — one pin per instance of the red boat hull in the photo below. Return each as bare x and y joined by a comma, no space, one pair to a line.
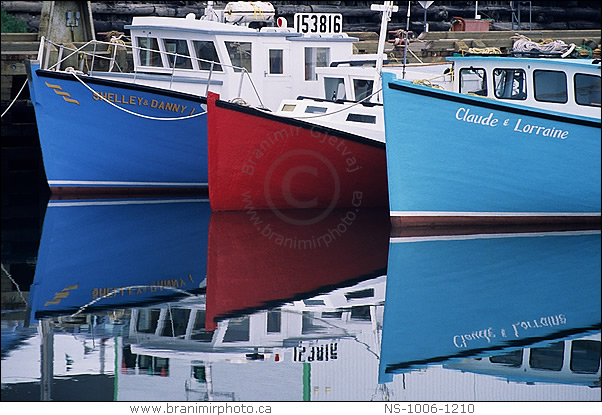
257,261
260,160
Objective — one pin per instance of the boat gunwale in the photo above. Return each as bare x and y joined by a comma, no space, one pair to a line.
484,102
299,123
44,73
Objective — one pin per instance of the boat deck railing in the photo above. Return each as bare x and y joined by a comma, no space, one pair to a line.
116,56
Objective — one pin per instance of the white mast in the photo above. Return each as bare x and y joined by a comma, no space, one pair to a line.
386,10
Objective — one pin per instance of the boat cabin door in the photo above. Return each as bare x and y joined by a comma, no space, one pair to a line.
277,75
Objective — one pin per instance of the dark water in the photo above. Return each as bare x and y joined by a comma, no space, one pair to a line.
160,300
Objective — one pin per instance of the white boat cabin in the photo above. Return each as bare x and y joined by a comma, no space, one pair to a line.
339,314
351,98
235,52
569,86
575,361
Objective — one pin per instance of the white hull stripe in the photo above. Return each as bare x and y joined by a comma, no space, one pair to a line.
124,202
109,183
477,214
405,239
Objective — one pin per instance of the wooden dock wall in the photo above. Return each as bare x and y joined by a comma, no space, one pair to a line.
357,16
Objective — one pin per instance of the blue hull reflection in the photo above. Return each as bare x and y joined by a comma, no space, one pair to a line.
104,254
453,297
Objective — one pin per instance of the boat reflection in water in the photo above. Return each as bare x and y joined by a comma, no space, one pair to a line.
264,259
102,254
297,306
488,296
277,305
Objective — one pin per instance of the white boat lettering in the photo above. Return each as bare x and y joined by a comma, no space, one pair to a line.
461,340
540,130
547,321
464,114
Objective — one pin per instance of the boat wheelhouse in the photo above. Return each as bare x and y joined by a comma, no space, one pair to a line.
109,124
258,62
514,140
566,86
570,361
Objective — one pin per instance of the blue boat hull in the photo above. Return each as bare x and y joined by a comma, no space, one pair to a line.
453,156
107,254
89,144
453,297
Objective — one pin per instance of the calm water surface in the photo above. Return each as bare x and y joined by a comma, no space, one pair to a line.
160,300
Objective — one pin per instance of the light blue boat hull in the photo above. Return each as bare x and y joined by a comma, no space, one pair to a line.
454,297
89,144
107,254
443,164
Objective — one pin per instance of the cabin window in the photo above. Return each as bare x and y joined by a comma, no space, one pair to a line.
276,61
361,313
315,58
314,110
550,86
238,330
354,295
288,107
473,81
157,366
147,321
332,314
512,359
310,302
176,322
585,355
587,90
206,55
149,52
199,333
334,88
510,83
367,119
199,373
274,322
547,358
177,50
240,55
362,88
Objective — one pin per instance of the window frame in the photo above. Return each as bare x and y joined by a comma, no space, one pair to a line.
537,82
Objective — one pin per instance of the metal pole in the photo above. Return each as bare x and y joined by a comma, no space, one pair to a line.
405,49
209,78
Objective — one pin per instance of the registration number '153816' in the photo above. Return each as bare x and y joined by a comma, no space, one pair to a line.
318,22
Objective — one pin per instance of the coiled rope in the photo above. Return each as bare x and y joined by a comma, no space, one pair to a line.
148,117
523,44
